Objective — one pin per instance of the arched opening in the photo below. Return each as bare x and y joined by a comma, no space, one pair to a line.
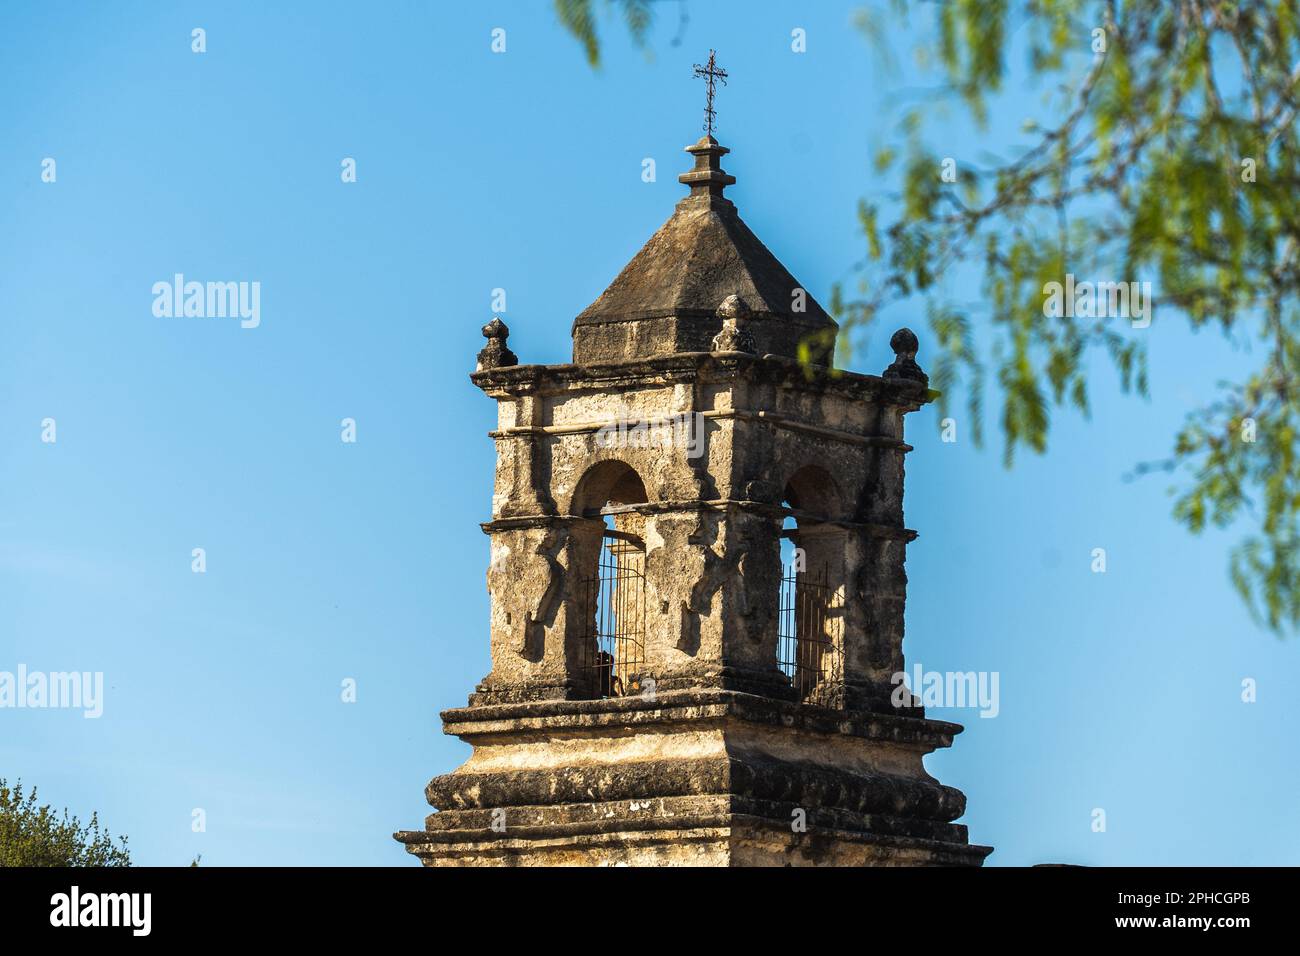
809,622
610,649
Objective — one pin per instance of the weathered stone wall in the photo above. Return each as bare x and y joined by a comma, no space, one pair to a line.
712,760
711,522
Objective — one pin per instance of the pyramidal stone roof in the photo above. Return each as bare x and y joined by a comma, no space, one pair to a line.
667,298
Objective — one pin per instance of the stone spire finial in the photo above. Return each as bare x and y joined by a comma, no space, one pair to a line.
734,338
707,178
904,344
496,353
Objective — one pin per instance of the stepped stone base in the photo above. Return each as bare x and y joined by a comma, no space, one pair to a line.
692,778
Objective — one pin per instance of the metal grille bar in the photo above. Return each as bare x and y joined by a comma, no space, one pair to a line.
613,649
806,652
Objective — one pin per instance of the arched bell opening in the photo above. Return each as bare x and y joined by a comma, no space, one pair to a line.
810,631
608,650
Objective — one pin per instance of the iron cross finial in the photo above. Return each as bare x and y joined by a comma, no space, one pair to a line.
710,72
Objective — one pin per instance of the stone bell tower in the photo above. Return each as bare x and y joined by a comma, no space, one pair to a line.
697,584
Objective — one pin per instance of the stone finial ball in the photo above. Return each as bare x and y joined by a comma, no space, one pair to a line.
733,307
496,329
904,343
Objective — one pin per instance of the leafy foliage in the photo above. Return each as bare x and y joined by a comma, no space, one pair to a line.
578,17
1175,158
37,836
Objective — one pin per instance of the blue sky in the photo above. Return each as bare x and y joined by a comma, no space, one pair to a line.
328,561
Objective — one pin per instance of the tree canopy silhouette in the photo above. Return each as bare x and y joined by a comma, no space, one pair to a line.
32,835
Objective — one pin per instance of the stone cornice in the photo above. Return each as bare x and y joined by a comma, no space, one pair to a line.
550,716
515,380
514,522
760,415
